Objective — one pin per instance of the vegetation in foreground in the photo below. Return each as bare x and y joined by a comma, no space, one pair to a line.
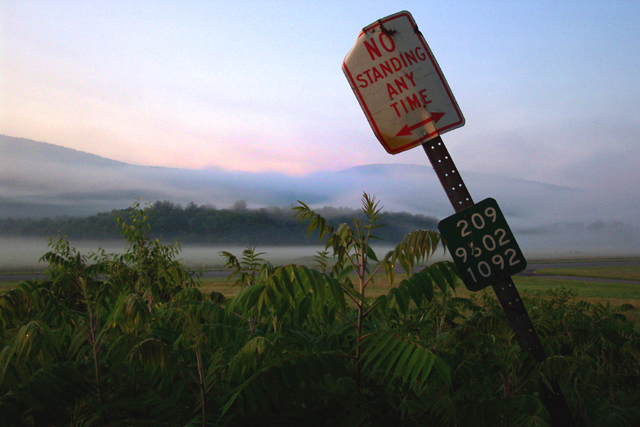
130,340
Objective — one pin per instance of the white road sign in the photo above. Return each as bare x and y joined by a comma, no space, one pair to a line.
399,84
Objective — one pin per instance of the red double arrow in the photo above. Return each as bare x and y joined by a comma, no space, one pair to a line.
406,130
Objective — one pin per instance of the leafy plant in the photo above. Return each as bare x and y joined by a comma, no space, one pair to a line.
352,249
247,269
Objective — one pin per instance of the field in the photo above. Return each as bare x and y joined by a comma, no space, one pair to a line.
603,291
566,278
591,290
622,272
584,289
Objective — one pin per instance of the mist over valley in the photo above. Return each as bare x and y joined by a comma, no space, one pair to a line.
40,180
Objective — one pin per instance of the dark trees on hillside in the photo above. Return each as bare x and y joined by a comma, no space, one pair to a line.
205,224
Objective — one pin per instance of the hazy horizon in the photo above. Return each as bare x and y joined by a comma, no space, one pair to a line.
544,217
26,251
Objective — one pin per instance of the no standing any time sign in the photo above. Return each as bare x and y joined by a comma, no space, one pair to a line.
389,69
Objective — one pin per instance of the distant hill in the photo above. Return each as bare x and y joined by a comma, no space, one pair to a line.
26,151
43,180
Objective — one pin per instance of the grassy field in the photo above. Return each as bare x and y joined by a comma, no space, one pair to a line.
582,288
594,290
623,272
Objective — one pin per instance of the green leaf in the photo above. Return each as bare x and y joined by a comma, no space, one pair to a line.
397,357
401,300
370,253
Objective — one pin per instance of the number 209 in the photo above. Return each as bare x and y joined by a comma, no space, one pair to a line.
477,221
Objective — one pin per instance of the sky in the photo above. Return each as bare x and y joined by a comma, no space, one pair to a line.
549,89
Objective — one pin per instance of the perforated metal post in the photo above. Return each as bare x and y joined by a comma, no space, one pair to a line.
506,291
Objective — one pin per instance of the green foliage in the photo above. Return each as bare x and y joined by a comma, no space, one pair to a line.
247,269
129,340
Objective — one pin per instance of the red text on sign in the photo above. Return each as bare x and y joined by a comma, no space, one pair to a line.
411,103
400,85
390,66
386,42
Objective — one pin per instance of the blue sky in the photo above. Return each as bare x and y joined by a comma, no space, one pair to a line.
549,89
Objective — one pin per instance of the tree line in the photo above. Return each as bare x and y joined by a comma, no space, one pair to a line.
194,223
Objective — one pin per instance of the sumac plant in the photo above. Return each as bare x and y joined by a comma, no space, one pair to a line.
130,340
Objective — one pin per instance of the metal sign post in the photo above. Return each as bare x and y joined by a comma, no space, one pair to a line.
505,290
408,102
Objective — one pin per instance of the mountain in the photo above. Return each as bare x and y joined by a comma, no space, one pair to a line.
43,180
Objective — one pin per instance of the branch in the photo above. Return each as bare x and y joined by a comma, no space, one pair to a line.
372,275
355,325
371,308
355,301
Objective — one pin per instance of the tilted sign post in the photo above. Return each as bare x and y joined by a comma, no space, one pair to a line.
408,103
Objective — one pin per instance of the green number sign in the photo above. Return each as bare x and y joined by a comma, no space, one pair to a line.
482,245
